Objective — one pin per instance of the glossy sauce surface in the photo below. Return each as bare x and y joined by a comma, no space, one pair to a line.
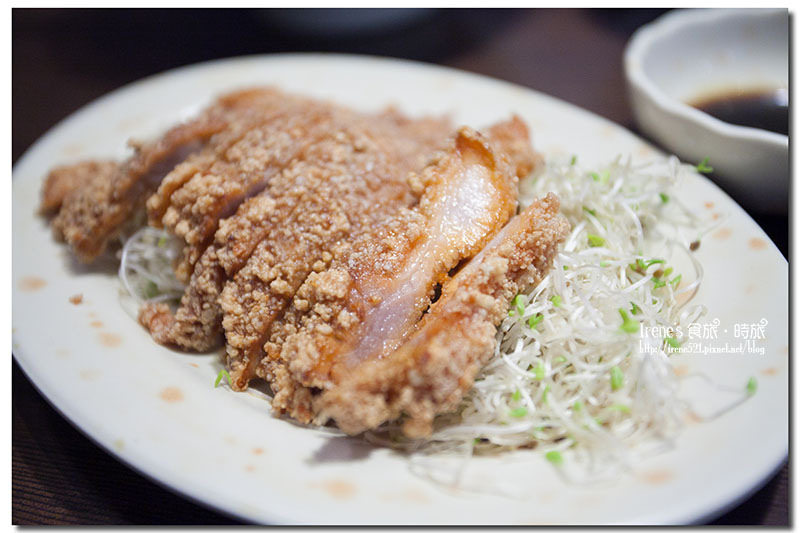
763,109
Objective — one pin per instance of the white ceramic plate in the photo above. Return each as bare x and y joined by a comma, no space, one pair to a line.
158,411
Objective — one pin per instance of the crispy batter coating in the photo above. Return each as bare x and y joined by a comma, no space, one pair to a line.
243,170
365,306
65,180
432,371
351,172
513,137
197,324
246,109
94,213
409,143
345,185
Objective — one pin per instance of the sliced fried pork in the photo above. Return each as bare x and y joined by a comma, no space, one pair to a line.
244,170
94,213
259,105
197,324
407,143
430,373
364,307
353,184
513,138
316,238
65,180
356,172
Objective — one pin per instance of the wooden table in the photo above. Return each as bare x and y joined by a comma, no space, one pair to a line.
63,59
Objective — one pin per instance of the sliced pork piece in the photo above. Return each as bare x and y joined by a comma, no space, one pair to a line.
64,180
430,373
364,309
345,185
94,213
513,138
360,168
244,170
406,143
197,324
243,110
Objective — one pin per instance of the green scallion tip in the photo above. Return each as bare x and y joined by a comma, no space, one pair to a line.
518,304
151,290
672,341
601,177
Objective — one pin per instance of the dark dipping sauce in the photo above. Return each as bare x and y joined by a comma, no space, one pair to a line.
763,109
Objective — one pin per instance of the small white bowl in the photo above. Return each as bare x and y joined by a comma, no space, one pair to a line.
688,54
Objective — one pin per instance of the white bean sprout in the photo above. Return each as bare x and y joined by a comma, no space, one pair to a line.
145,267
573,375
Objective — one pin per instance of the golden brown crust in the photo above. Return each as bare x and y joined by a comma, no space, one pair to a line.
64,180
243,170
344,185
196,325
97,206
349,173
245,110
407,255
328,328
93,214
513,138
430,373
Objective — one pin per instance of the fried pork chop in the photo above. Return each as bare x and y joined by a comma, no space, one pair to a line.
315,239
363,307
436,366
352,175
94,212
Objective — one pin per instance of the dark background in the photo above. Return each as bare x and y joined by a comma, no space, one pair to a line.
64,59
